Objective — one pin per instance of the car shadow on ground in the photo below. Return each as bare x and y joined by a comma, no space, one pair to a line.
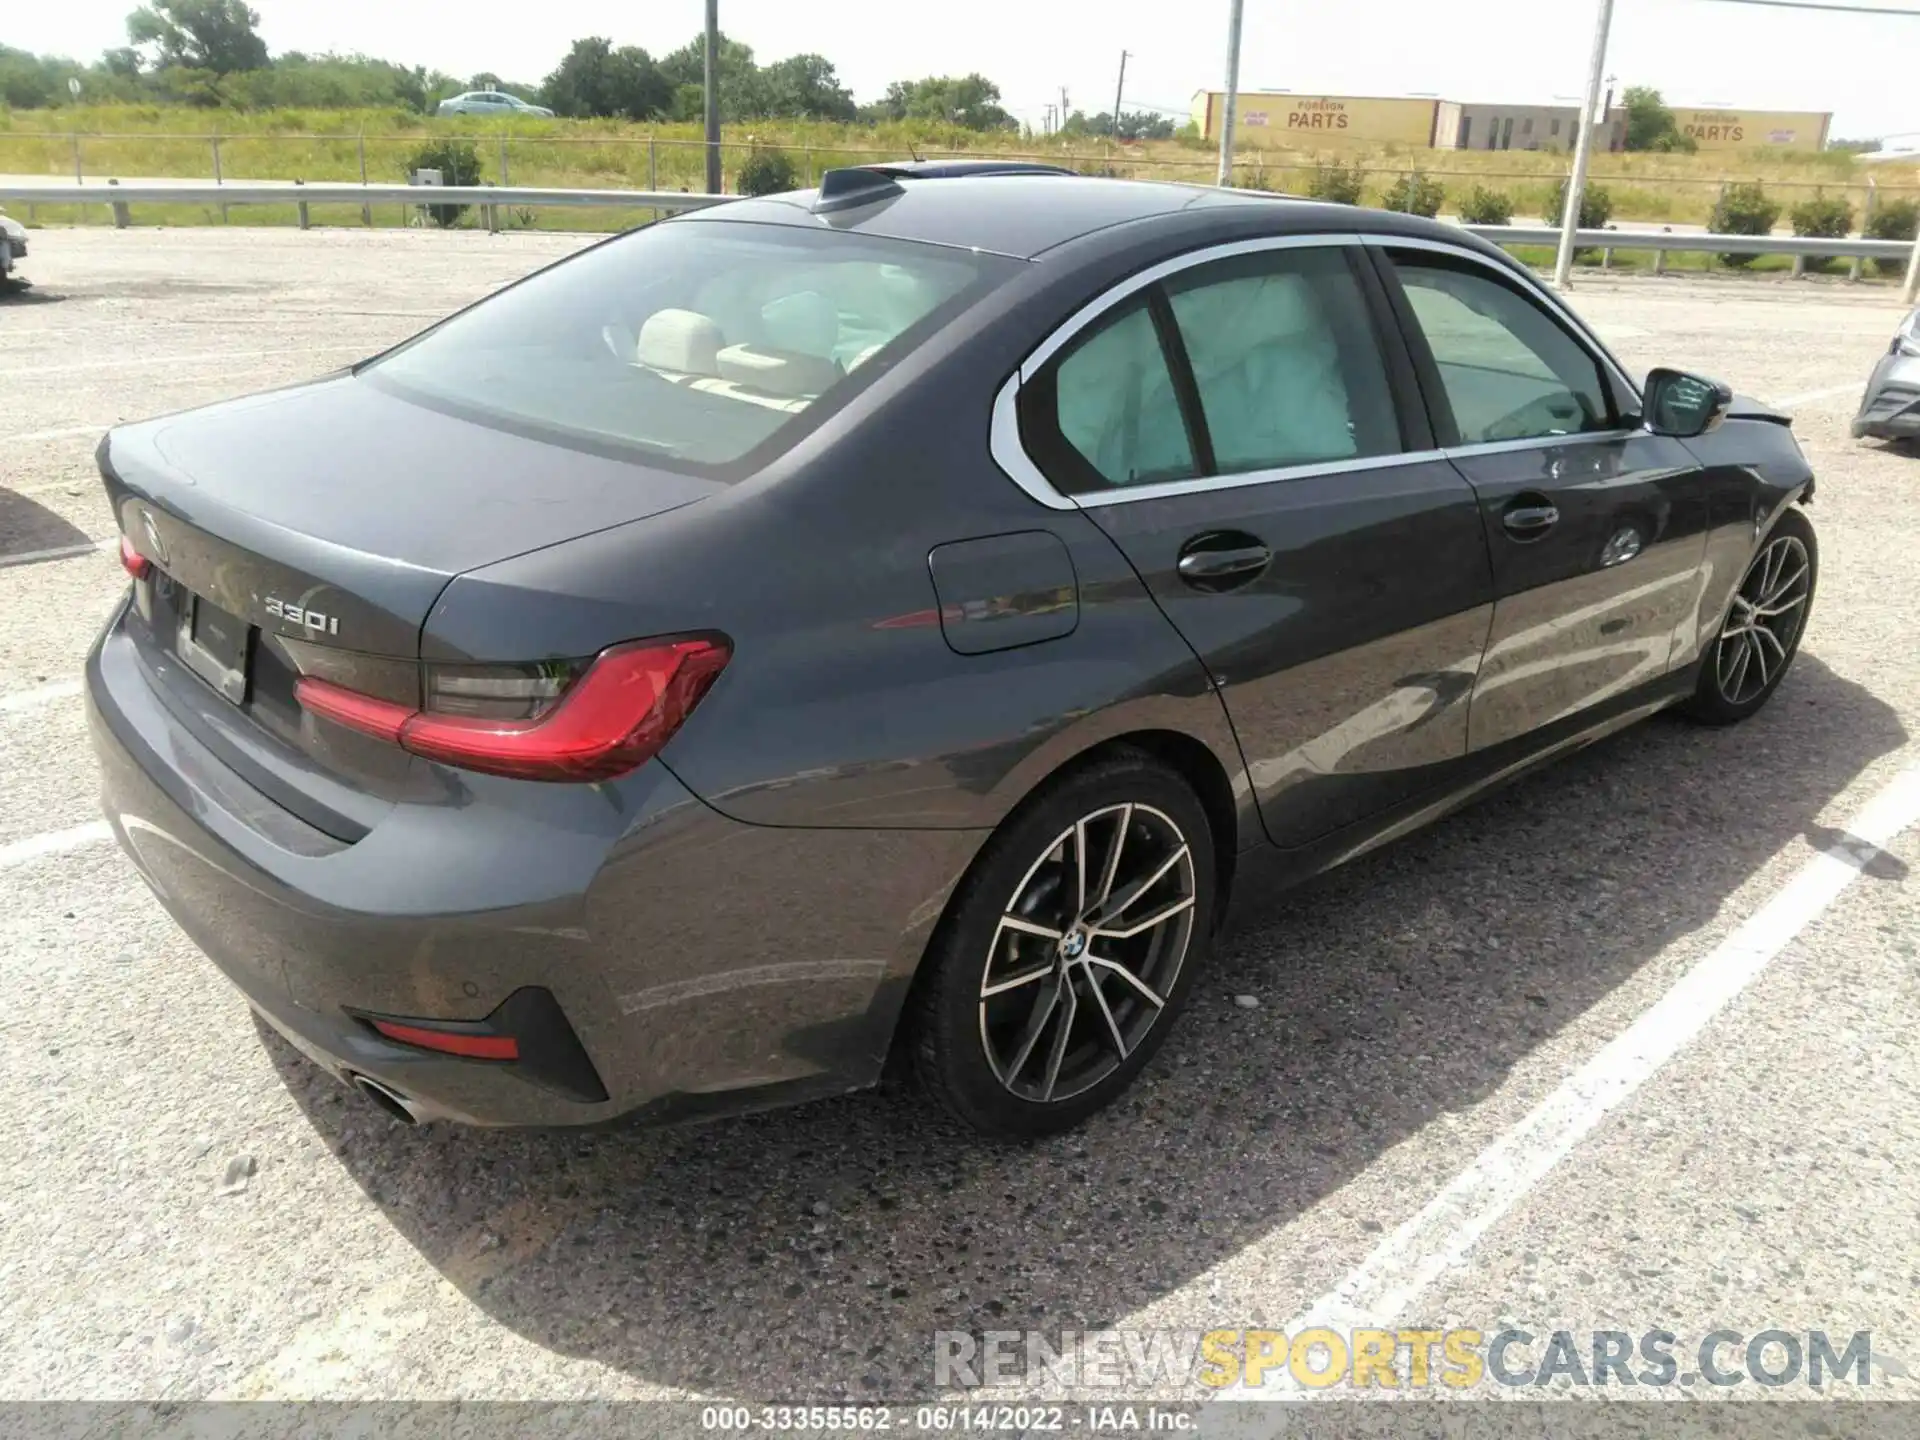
812,1253
28,525
24,292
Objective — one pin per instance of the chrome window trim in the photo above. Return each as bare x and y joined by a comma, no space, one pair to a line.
1012,458
1541,442
1133,284
1008,453
1204,483
1533,287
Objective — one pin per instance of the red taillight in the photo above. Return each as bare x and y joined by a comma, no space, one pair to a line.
380,718
472,1045
132,561
613,719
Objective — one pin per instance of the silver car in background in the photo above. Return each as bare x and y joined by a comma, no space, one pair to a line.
1890,410
490,102
13,245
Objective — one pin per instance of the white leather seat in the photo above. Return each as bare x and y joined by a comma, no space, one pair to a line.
683,341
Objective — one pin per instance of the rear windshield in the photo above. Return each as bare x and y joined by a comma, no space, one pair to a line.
700,344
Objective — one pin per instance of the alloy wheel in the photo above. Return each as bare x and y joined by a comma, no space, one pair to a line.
1764,623
1086,952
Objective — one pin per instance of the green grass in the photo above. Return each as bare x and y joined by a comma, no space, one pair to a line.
137,140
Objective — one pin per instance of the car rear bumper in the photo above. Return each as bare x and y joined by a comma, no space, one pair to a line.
704,965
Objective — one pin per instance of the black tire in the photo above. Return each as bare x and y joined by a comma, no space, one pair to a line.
1727,690
962,1040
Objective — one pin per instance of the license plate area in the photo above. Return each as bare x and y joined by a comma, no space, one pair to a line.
214,644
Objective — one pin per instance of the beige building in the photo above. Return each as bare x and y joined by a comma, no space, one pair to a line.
1281,118
1462,126
1319,122
1754,129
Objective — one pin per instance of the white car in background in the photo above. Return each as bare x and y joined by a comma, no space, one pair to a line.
13,244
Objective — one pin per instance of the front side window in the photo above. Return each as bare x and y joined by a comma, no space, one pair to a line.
698,343
1284,360
1508,369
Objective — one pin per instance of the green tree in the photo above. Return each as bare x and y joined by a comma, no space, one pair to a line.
215,35
595,79
969,101
1134,125
1650,124
801,87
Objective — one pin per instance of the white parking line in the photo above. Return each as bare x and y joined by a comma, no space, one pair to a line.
58,552
41,695
1440,1235
1852,387
54,842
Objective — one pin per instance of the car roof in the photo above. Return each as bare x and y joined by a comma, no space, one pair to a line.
1025,213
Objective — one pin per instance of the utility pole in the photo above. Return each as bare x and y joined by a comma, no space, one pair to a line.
1225,176
713,97
1582,147
1119,89
1063,107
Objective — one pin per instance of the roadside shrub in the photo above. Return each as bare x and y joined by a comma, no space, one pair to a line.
1895,220
1341,184
458,163
1414,194
1253,177
1743,210
1596,205
1823,219
768,172
1487,207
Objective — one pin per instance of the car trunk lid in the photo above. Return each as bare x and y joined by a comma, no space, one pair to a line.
310,530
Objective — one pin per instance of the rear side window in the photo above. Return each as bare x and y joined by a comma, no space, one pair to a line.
1509,370
1284,360
1116,407
705,345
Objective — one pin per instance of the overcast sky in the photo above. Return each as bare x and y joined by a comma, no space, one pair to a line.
1698,52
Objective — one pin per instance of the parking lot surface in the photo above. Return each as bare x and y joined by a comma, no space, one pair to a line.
1402,1096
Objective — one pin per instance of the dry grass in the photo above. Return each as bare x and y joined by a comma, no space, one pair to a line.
336,144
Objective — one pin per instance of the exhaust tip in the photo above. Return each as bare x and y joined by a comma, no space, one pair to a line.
391,1101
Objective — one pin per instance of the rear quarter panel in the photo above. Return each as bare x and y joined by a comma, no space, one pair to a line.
844,705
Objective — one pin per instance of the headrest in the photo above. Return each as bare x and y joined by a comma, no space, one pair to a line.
682,340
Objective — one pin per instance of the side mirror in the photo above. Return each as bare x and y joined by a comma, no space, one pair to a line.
1683,405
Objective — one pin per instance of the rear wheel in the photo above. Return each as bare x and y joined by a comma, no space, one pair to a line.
1070,949
1762,630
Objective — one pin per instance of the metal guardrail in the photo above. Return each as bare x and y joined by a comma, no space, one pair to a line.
1660,242
489,199
1696,242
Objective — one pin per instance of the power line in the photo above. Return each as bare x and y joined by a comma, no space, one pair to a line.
1909,13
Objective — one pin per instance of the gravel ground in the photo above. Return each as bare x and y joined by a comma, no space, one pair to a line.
1408,1009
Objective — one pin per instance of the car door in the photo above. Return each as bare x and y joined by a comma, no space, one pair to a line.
1597,528
1234,423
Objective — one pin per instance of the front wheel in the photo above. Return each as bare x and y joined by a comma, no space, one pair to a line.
1762,630
1071,947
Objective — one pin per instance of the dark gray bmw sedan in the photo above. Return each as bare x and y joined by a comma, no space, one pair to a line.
893,621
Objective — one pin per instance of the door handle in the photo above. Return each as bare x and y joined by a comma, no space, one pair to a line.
1232,564
1530,517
